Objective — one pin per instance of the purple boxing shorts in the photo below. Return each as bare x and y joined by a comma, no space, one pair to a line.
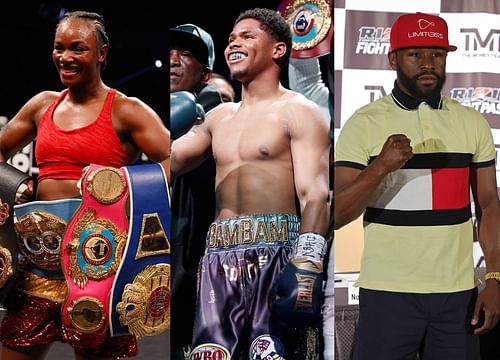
243,257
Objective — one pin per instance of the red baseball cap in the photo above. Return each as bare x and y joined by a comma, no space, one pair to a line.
420,30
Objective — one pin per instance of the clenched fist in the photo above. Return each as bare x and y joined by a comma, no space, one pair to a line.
395,153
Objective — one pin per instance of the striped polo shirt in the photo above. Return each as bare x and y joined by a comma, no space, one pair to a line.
417,226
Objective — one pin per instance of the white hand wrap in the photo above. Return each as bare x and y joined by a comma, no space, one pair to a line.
311,246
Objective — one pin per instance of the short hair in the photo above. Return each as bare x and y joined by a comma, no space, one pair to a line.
96,19
272,23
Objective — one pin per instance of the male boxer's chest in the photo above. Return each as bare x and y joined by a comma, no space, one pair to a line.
261,136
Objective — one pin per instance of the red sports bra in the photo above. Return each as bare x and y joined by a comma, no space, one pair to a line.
62,154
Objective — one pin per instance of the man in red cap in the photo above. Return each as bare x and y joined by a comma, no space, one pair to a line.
409,161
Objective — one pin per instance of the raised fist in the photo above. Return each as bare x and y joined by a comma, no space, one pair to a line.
395,152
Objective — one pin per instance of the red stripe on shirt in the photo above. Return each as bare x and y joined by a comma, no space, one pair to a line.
450,188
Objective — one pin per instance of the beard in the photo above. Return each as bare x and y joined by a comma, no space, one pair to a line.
421,92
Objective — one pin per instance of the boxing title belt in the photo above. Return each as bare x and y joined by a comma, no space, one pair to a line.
311,25
141,291
92,249
40,228
10,179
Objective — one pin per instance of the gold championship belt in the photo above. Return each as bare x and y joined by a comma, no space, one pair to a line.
311,25
10,180
141,291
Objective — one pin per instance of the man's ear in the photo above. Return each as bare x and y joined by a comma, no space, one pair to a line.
207,74
279,50
392,60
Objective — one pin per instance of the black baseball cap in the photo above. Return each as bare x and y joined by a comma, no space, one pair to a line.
195,39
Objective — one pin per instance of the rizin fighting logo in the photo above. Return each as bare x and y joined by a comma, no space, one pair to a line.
266,347
373,40
484,99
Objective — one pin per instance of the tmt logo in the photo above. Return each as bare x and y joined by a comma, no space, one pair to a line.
375,91
475,43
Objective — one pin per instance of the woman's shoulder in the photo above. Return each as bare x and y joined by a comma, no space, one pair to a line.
131,111
47,96
123,102
40,102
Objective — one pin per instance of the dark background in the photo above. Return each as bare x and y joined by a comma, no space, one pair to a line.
138,36
217,18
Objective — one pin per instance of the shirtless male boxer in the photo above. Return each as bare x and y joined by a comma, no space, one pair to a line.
261,276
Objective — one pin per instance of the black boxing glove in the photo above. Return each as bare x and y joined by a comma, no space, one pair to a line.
184,112
296,297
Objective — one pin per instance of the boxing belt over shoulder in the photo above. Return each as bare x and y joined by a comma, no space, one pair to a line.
311,24
141,290
10,179
92,250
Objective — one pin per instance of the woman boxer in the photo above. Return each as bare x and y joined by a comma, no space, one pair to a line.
88,122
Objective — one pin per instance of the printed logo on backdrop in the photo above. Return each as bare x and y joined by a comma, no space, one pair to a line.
373,40
477,45
477,91
368,43
484,99
375,92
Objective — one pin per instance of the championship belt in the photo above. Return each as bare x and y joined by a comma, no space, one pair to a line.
141,291
311,25
40,228
92,250
10,180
